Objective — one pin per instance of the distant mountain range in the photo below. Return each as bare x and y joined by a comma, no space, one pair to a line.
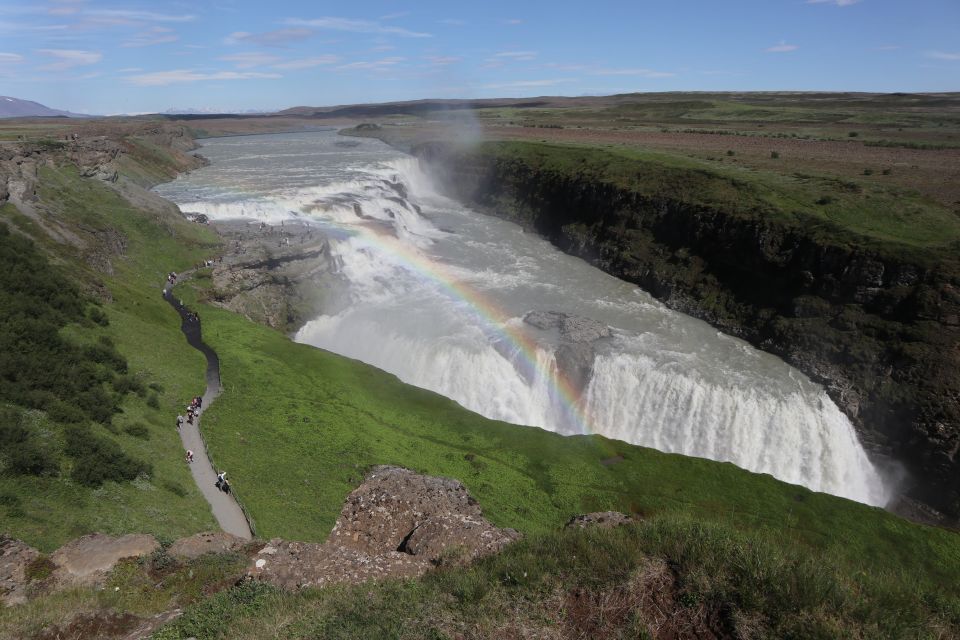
192,111
17,108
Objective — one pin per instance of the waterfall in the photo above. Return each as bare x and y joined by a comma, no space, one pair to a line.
436,294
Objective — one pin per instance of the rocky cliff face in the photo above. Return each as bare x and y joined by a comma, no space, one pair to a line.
127,158
881,334
274,275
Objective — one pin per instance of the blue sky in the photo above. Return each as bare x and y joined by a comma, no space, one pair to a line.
132,57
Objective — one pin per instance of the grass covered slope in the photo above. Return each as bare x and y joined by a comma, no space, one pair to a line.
297,427
116,466
665,577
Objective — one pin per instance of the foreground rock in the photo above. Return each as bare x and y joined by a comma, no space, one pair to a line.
87,560
207,542
15,560
396,524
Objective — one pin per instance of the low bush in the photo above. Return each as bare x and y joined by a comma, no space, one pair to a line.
127,384
138,430
41,369
97,459
97,315
21,451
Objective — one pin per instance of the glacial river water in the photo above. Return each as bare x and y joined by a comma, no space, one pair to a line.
436,293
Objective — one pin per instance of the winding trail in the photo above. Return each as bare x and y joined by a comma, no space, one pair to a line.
225,508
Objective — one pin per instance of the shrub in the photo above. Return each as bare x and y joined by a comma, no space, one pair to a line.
21,450
97,315
853,134
138,430
153,401
824,200
774,154
731,152
11,502
30,458
40,368
887,172
868,172
66,413
106,355
97,459
127,383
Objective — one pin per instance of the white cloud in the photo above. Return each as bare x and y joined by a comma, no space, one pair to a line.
888,47
442,60
306,63
128,15
394,16
782,47
356,26
520,84
374,65
250,60
163,78
646,73
839,3
275,38
513,21
516,55
453,22
943,55
10,58
69,58
150,37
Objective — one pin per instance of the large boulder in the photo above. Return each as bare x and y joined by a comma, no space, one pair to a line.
15,558
396,524
88,559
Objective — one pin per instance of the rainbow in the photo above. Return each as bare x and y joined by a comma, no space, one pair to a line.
481,306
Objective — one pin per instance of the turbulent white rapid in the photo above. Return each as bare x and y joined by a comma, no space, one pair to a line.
440,295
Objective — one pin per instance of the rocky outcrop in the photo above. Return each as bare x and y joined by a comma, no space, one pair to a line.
208,542
87,560
878,330
576,352
396,524
599,520
15,561
272,274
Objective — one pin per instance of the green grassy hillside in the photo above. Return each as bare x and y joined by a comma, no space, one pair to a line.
160,374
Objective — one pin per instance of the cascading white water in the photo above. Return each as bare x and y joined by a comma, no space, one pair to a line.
436,293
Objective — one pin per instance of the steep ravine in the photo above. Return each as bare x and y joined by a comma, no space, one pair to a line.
880,333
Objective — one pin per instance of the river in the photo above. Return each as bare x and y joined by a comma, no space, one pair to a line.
437,294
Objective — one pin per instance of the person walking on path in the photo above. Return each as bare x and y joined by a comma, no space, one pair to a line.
189,456
179,422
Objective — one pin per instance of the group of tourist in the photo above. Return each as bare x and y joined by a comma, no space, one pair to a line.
196,404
